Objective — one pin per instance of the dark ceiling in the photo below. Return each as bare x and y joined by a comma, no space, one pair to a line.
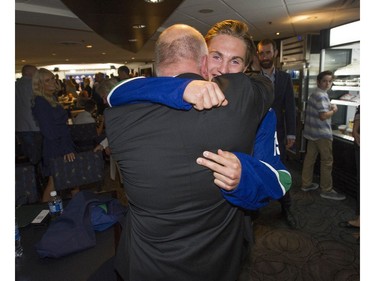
119,21
55,32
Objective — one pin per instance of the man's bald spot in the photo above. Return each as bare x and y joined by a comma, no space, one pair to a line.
177,31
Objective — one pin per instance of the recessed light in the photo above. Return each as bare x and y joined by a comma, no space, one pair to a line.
206,11
154,1
139,26
70,43
133,40
277,33
88,46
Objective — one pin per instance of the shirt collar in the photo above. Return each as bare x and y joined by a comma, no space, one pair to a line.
272,76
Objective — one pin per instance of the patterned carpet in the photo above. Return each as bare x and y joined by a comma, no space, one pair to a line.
318,250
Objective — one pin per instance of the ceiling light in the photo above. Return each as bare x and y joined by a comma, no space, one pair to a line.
206,11
154,1
138,26
89,46
133,40
70,43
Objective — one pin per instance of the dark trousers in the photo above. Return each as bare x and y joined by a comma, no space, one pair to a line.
357,161
286,201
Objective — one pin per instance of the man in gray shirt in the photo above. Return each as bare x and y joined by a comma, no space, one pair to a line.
27,130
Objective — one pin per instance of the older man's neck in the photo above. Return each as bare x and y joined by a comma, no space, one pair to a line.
180,68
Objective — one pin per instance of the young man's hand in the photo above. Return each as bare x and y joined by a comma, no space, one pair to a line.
204,95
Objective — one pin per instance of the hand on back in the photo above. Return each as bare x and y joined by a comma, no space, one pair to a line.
204,95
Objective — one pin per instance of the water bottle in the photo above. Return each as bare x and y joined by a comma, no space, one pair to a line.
55,205
19,249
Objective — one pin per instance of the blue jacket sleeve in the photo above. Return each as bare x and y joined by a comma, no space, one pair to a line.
169,91
264,177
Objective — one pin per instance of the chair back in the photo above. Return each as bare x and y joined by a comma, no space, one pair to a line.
84,136
26,184
87,168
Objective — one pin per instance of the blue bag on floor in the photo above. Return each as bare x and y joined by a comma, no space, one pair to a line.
74,230
106,214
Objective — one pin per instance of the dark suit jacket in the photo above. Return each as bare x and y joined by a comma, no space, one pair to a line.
285,108
179,227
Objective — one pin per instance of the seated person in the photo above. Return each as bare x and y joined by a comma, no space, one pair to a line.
67,98
82,99
86,117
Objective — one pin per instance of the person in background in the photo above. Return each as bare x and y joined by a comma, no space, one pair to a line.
27,130
98,79
284,103
86,86
74,82
61,86
318,132
123,73
103,90
285,109
52,119
81,100
174,202
355,223
86,116
70,88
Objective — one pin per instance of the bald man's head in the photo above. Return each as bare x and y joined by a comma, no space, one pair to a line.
180,48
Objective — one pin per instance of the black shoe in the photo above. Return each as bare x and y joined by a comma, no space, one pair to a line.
289,218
